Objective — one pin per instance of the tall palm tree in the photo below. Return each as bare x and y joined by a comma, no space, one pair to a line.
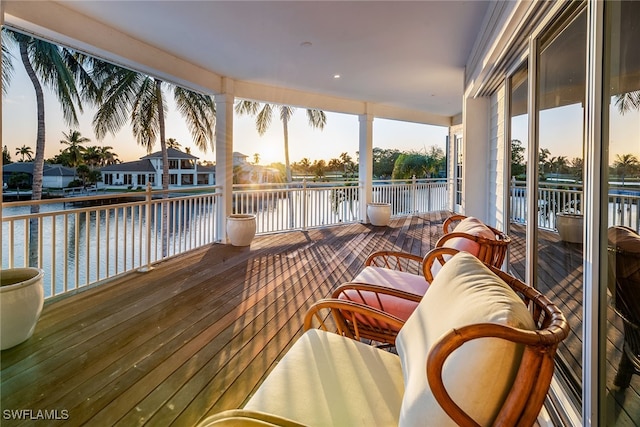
126,95
317,119
24,151
75,151
131,96
59,69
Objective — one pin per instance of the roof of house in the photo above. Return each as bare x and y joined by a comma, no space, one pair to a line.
48,170
172,153
205,169
143,165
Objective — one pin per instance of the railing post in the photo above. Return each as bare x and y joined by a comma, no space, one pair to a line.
429,185
304,204
413,194
147,214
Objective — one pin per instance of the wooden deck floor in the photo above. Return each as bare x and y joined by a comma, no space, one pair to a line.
198,334
194,336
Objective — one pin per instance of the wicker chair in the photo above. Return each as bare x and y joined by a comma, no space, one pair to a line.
361,322
529,389
412,274
624,267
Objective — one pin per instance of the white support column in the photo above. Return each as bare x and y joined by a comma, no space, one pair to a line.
224,155
365,169
475,184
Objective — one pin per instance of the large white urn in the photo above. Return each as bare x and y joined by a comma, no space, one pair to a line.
241,229
570,227
21,301
379,213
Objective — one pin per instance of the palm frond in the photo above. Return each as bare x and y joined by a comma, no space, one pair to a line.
628,101
200,113
263,119
7,64
144,114
48,61
247,107
286,112
317,118
118,90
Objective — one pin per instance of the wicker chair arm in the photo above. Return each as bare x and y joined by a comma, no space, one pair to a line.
346,316
376,289
534,375
394,260
448,221
431,257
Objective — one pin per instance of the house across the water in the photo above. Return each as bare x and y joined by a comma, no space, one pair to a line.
183,171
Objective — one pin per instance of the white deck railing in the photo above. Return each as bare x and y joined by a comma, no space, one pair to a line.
554,198
81,241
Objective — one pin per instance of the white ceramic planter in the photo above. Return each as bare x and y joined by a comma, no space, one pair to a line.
21,301
241,229
570,227
379,213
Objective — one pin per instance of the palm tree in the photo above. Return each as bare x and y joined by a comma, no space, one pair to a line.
58,68
317,119
108,157
625,163
131,96
75,151
24,151
256,158
173,143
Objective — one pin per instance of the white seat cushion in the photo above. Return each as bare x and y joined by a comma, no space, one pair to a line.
478,374
326,379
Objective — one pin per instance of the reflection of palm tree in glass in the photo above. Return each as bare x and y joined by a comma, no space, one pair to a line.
625,164
628,101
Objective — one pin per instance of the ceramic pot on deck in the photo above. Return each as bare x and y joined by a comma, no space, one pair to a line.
241,229
21,301
379,213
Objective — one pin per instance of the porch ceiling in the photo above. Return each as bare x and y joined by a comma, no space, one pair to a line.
407,55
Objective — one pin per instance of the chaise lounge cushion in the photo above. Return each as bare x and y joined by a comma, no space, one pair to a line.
464,292
326,379
473,227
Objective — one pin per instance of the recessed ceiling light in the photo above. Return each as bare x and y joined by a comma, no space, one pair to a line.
336,76
306,44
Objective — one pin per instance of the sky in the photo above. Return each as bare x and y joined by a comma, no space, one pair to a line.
339,135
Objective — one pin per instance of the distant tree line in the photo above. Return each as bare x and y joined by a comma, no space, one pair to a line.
624,166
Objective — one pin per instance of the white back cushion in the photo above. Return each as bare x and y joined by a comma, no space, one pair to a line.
479,373
473,227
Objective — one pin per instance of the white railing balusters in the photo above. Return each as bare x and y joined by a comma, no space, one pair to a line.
95,243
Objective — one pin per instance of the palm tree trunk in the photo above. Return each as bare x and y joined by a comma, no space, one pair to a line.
165,169
287,168
38,163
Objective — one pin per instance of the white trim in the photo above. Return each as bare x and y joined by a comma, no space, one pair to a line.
594,300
